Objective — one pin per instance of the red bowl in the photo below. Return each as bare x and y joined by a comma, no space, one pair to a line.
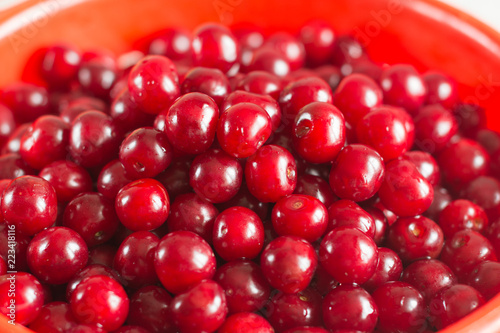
425,33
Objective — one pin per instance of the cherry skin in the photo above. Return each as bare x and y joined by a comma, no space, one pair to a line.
112,178
245,322
209,81
346,213
245,199
471,118
300,215
54,317
92,216
191,123
318,38
357,173
145,153
100,300
462,214
189,212
489,139
131,329
174,43
215,176
56,254
271,173
316,187
289,46
90,270
270,61
403,87
74,107
59,65
286,311
149,308
484,279
94,139
429,276
200,309
331,74
142,204
134,259
82,328
307,329
20,245
246,288
288,263
356,95
348,255
299,93
176,178
318,132
389,268
440,90
214,46
97,78
384,130
401,308
493,235
426,165
452,304
349,307
434,128
13,166
26,101
462,162
381,224
68,179
485,192
465,250
29,203
415,238
347,50
183,259
261,83
404,190
238,234
12,143
28,296
441,199
153,84
126,113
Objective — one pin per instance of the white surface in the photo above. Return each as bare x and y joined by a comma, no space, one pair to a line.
484,10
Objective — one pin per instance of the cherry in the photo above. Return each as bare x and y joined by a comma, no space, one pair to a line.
134,259
452,304
54,317
13,142
81,328
403,86
269,60
316,187
246,287
346,213
75,106
318,38
27,297
174,43
145,153
131,329
357,173
415,238
440,90
97,78
153,84
288,263
434,128
92,216
262,83
30,204
493,235
90,270
384,130
347,50
484,279
318,132
176,178
441,199
126,113
238,234
290,47
485,192
471,118
56,254
245,322
209,81
301,92
111,179
149,308
102,254
286,311
191,123
489,139
389,268
100,300
429,276
8,124
94,139
142,204
349,307
300,215
462,214
243,128
355,97
19,244
183,259
26,101
67,178
464,250
59,65
331,74
307,329
462,162
271,173
401,308
245,199
215,46
191,213
381,224
404,190
200,309
426,165
12,166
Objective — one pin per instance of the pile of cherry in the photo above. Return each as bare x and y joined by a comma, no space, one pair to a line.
232,182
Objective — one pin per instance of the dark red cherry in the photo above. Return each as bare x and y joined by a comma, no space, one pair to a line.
484,279
440,90
270,61
54,317
262,83
176,178
462,214
290,47
318,38
426,165
347,50
112,178
126,113
26,101
59,65
245,322
209,81
97,78
90,270
8,124
441,199
471,118
434,128
316,187
346,213
174,43
389,268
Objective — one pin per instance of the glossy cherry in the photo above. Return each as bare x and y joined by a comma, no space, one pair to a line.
389,268
54,317
59,65
26,101
127,114
440,90
485,192
289,46
209,81
347,213
462,214
441,199
484,280
176,178
97,78
316,187
318,38
245,322
270,61
426,165
112,178
262,83
90,270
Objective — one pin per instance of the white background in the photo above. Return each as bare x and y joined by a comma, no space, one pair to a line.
487,11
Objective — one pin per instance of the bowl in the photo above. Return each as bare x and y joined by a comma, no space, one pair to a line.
425,33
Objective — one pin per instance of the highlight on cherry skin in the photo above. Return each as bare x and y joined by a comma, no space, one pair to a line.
230,180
